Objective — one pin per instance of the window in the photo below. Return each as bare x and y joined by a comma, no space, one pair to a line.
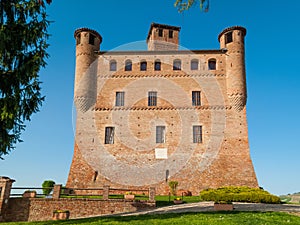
109,135
128,65
194,64
120,98
197,134
160,32
196,98
152,98
212,64
170,34
157,65
78,39
176,64
228,37
92,39
160,134
143,66
113,65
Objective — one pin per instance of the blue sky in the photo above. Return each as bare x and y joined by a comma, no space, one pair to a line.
273,74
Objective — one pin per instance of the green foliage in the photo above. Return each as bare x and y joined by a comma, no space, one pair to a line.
238,194
183,5
173,187
48,186
23,35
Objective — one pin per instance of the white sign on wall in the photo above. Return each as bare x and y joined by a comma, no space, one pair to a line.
161,153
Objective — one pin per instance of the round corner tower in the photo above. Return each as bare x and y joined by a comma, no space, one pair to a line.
87,45
232,40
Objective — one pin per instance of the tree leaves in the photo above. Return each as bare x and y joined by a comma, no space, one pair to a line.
183,5
23,44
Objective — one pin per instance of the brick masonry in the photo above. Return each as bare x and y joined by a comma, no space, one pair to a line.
35,209
223,157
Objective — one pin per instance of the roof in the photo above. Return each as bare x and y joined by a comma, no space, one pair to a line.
83,29
243,29
164,26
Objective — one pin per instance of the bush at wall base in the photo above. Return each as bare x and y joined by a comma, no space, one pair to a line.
61,215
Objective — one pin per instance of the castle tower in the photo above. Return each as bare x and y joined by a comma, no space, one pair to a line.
232,39
87,43
163,37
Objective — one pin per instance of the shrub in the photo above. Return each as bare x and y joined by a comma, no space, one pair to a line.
238,194
47,186
173,187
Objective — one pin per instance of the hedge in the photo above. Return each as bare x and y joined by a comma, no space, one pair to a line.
238,194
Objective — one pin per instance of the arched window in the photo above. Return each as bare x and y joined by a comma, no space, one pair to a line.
128,65
194,64
143,66
212,64
157,65
177,64
113,65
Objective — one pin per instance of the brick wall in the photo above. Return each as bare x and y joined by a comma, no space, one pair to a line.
34,209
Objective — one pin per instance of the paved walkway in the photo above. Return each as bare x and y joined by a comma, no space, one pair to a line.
208,206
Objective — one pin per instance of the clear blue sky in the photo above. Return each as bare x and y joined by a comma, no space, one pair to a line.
273,77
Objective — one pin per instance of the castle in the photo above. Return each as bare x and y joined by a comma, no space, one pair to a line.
145,118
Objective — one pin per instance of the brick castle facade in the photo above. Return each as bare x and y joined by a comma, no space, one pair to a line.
145,118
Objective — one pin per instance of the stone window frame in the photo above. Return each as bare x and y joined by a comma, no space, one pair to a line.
171,34
109,135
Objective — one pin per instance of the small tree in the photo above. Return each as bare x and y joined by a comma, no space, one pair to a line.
48,186
173,187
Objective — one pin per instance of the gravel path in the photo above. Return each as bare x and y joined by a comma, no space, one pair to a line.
208,206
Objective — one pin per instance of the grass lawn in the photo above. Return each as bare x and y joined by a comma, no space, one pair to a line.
209,218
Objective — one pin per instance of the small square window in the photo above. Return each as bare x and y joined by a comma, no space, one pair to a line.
157,65
128,65
152,98
160,32
197,134
113,65
120,98
177,65
194,64
109,135
160,134
212,64
196,98
143,66
228,37
92,39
